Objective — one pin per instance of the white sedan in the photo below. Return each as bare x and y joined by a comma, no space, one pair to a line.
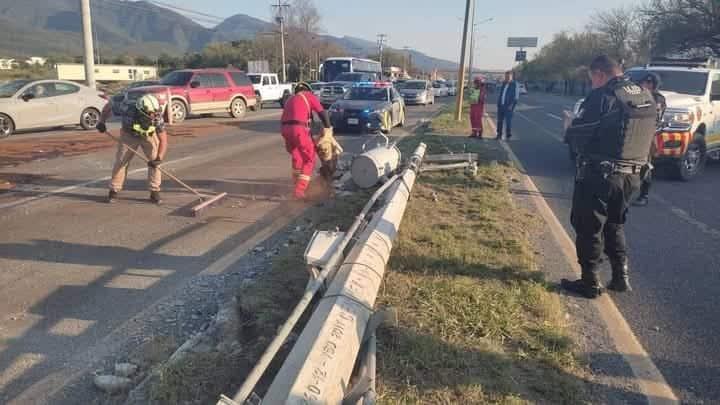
32,104
440,89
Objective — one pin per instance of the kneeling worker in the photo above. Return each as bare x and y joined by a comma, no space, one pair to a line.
296,119
142,127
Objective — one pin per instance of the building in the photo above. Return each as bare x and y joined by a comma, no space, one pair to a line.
106,73
36,60
8,64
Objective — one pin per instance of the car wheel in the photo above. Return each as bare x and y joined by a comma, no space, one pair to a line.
693,161
238,108
7,126
89,118
179,111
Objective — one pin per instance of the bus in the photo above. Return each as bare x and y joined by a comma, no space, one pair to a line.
332,67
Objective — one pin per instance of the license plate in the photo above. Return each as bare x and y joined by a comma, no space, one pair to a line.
353,121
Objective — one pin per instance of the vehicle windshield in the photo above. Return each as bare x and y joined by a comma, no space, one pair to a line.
367,93
350,77
415,85
180,78
10,88
676,81
255,79
333,68
317,86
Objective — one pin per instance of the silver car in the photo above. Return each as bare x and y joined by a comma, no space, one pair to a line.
31,104
417,92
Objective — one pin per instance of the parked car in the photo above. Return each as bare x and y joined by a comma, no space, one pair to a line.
317,88
201,91
332,92
268,88
118,100
418,92
440,89
32,104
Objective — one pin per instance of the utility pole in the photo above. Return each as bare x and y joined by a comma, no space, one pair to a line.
88,43
461,71
409,60
280,6
472,41
381,45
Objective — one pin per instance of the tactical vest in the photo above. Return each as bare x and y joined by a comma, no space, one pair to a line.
626,131
139,124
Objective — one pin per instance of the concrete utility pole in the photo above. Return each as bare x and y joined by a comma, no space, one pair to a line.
280,6
88,42
381,46
409,59
472,41
461,71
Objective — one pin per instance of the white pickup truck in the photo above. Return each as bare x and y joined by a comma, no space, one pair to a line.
268,88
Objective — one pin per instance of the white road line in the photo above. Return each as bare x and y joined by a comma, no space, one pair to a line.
650,380
555,135
554,116
28,200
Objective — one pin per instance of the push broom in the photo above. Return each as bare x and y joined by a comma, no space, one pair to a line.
205,200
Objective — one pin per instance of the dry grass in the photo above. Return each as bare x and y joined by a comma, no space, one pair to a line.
477,322
446,122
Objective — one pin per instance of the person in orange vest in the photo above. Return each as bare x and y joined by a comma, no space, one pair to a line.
296,119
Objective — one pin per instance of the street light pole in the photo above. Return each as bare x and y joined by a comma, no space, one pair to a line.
472,41
88,43
281,20
461,71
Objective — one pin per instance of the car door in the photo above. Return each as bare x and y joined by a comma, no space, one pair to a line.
41,108
276,91
713,136
200,94
222,92
396,100
66,95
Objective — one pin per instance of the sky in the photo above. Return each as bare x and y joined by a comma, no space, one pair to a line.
434,27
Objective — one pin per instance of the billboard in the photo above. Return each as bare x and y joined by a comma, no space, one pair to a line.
258,66
522,42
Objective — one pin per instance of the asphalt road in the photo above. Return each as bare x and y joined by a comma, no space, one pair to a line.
674,253
76,271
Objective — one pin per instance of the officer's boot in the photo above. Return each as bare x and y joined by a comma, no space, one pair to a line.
620,279
112,196
588,285
155,197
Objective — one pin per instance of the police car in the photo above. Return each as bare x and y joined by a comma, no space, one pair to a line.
369,107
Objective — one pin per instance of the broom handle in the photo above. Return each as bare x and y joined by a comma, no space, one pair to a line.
170,175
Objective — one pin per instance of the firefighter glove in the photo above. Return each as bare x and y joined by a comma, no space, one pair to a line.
101,127
327,147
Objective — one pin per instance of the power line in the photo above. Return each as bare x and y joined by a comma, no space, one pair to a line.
116,4
186,10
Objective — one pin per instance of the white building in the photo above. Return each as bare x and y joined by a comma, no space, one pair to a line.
36,60
106,73
8,64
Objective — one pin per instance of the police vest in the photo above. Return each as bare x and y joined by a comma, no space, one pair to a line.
626,131
139,124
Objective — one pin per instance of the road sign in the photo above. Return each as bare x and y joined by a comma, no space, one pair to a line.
522,42
258,66
520,56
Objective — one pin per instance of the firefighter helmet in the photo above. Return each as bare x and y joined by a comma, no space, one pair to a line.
148,104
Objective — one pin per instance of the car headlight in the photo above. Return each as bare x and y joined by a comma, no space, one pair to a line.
680,119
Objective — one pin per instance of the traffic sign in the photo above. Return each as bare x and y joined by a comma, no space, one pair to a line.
522,42
520,56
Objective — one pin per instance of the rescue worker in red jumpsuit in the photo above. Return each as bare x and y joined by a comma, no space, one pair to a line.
296,120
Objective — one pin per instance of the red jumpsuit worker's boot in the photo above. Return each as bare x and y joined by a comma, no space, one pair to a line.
301,185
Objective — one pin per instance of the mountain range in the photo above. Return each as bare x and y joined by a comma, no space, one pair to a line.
54,27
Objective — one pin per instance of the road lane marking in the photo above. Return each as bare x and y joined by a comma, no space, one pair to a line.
648,377
555,135
50,193
554,116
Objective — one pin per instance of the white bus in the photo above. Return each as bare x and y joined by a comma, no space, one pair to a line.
332,67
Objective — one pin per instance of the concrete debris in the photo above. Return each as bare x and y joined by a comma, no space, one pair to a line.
125,369
112,384
259,249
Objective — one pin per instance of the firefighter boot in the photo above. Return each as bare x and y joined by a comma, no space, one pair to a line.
588,285
620,279
155,197
301,185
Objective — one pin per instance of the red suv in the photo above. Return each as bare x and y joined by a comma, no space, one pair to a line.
201,91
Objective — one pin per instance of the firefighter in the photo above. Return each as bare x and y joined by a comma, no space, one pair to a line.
296,119
142,127
477,107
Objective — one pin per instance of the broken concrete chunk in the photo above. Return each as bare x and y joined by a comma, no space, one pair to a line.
125,369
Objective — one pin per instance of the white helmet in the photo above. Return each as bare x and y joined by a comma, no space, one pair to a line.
148,104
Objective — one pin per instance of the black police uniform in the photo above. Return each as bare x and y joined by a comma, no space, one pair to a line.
661,105
614,130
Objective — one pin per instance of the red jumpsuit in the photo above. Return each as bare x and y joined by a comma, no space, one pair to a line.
298,141
477,110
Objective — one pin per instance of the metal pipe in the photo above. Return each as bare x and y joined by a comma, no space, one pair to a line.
317,369
313,287
88,43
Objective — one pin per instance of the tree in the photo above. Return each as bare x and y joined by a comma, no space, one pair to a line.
619,28
688,27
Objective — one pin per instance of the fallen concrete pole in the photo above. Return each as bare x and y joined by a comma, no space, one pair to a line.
320,364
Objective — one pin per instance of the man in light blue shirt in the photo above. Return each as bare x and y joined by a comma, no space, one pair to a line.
509,95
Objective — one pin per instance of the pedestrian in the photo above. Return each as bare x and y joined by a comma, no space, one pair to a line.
296,120
477,107
142,127
651,82
613,131
507,100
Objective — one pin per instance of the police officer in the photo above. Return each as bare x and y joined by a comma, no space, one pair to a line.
613,130
651,82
